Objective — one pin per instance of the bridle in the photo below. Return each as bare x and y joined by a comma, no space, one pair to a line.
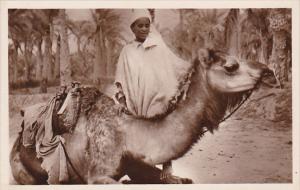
248,94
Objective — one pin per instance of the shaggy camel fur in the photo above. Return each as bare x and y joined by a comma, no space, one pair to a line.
105,146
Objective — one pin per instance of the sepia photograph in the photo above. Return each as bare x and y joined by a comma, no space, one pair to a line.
143,95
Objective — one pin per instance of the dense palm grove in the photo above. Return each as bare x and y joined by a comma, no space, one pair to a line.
39,54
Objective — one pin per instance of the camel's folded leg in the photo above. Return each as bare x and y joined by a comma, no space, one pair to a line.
22,174
102,180
142,173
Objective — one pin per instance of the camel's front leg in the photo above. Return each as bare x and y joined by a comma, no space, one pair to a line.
142,173
167,170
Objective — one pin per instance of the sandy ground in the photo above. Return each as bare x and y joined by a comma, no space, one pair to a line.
241,151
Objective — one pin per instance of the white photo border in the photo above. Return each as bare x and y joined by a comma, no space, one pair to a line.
167,4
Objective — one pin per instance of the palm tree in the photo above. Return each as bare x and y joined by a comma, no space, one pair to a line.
20,32
199,28
65,67
13,61
213,27
82,30
57,58
254,35
233,32
38,31
280,26
13,49
39,58
107,34
43,25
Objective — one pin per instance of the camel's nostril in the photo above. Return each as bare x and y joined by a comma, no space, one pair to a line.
268,72
268,77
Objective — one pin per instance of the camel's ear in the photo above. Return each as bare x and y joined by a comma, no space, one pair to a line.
205,57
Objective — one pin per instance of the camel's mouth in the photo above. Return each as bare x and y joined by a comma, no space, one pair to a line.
244,88
268,79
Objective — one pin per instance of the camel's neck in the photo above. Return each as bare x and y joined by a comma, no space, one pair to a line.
199,112
205,106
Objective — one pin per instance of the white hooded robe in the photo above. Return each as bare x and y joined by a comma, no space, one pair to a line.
149,74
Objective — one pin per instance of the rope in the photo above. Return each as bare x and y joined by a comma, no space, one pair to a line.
242,102
231,113
71,164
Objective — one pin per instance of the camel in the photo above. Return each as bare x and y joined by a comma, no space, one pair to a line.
104,146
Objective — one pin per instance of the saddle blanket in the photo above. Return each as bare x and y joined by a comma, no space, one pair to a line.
38,132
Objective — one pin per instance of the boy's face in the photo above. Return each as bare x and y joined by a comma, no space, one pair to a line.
141,28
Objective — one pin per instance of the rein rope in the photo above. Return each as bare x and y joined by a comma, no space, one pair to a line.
233,111
237,107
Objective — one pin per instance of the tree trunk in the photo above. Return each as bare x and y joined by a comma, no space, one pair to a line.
47,58
109,63
28,59
79,46
39,61
279,56
97,59
181,19
181,27
15,64
280,51
99,64
103,53
46,69
65,67
57,58
263,57
51,73
233,33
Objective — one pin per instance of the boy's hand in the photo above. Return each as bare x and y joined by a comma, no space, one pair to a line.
120,108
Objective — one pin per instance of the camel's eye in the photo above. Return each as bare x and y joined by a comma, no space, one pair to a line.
231,66
222,61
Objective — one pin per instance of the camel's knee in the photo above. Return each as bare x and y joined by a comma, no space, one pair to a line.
19,172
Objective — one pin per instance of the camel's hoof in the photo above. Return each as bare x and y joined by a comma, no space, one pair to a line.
127,181
164,175
176,180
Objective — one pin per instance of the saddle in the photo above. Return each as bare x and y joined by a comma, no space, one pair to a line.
68,109
44,124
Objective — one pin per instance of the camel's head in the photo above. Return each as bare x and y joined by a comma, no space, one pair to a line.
225,82
227,74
